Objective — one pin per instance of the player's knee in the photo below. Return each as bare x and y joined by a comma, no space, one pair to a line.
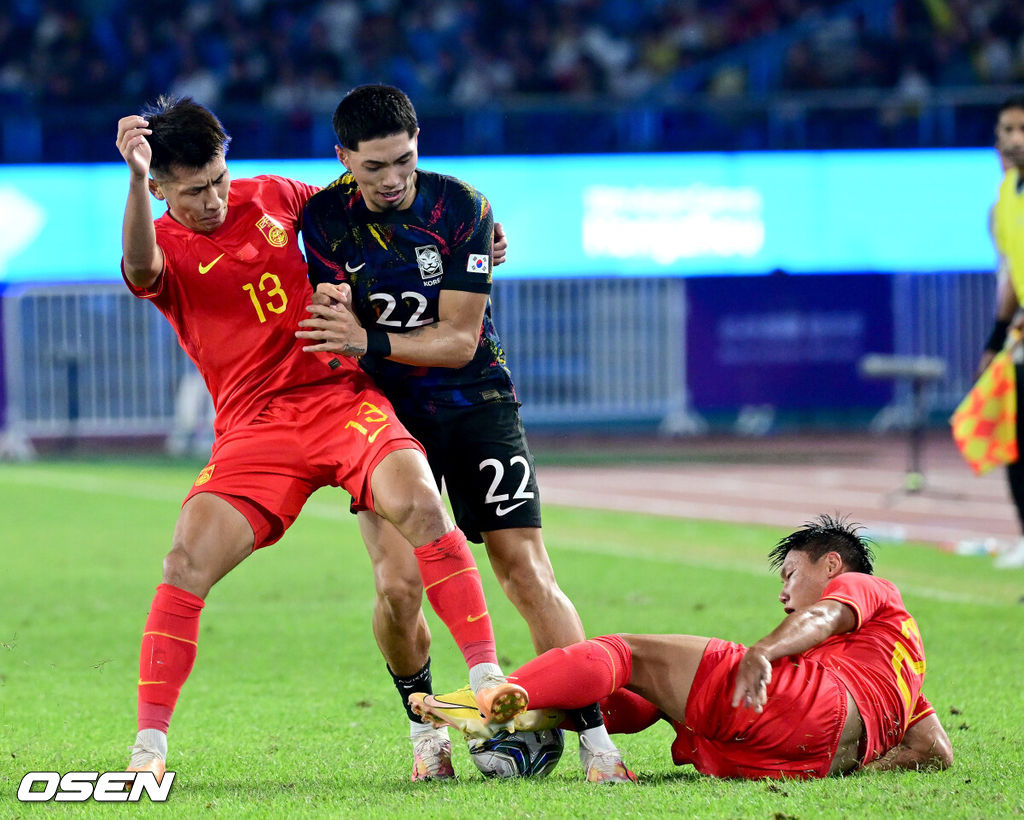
529,589
399,597
522,576
418,509
183,570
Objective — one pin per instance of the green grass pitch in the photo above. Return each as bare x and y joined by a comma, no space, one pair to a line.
290,712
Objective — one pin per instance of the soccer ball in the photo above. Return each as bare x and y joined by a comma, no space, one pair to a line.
518,754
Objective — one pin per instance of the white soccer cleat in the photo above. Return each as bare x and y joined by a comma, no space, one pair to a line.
149,754
604,765
432,756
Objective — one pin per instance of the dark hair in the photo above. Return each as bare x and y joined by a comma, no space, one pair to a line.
369,112
1012,102
823,535
185,134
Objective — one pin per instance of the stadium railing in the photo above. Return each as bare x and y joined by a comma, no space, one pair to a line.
91,361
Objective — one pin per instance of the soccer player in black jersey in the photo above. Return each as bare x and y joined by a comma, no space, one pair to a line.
401,260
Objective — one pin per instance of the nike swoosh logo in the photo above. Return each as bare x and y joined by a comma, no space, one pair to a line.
355,269
506,510
474,618
204,268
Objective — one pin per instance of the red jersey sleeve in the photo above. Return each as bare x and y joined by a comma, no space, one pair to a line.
864,594
293,196
922,708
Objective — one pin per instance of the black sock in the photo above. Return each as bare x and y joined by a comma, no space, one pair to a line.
420,682
586,718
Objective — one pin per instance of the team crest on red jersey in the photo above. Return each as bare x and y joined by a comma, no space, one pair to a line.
205,475
272,231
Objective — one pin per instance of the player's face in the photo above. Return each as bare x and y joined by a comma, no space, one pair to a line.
804,580
385,170
197,197
1010,137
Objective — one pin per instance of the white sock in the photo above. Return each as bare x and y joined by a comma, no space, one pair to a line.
478,673
153,739
598,739
417,729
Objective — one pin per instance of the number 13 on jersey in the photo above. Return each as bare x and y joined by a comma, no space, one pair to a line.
370,421
271,295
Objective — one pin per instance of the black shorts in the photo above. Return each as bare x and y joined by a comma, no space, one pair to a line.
482,455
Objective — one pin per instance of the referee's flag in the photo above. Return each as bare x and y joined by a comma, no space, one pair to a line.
985,423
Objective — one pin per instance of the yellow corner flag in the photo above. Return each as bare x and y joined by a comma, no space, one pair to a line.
985,423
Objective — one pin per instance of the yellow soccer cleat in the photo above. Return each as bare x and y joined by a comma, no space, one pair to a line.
475,716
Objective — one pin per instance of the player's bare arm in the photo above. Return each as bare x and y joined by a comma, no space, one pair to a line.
143,259
924,746
1007,307
449,342
801,630
452,340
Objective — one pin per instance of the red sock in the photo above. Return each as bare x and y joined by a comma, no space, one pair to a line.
625,712
168,651
578,675
452,583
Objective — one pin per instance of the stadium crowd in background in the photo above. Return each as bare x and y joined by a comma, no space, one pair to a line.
299,58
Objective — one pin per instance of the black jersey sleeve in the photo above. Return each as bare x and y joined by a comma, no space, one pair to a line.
318,226
469,265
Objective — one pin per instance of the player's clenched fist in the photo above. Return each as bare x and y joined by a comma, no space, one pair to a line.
331,295
133,145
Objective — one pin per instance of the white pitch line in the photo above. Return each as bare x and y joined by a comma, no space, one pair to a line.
95,483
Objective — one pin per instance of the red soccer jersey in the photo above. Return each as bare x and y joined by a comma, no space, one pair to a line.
235,298
881,660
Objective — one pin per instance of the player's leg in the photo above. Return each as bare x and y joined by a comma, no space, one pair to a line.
210,538
404,639
659,668
384,468
663,669
522,567
405,494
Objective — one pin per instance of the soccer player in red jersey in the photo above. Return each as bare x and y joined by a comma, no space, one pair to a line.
224,267
835,687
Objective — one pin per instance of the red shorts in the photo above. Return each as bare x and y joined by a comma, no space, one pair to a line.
303,440
796,735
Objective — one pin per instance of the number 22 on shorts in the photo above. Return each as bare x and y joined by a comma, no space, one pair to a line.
370,421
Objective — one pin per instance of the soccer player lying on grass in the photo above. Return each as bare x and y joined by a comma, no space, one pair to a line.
224,267
835,687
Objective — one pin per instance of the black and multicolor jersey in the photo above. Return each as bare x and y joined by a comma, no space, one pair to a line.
397,263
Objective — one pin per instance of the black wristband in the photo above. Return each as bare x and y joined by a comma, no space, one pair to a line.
378,343
997,338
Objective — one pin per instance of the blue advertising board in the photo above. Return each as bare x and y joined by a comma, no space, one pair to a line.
622,215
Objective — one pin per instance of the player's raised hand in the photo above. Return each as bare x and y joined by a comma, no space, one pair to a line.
500,246
133,145
753,675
